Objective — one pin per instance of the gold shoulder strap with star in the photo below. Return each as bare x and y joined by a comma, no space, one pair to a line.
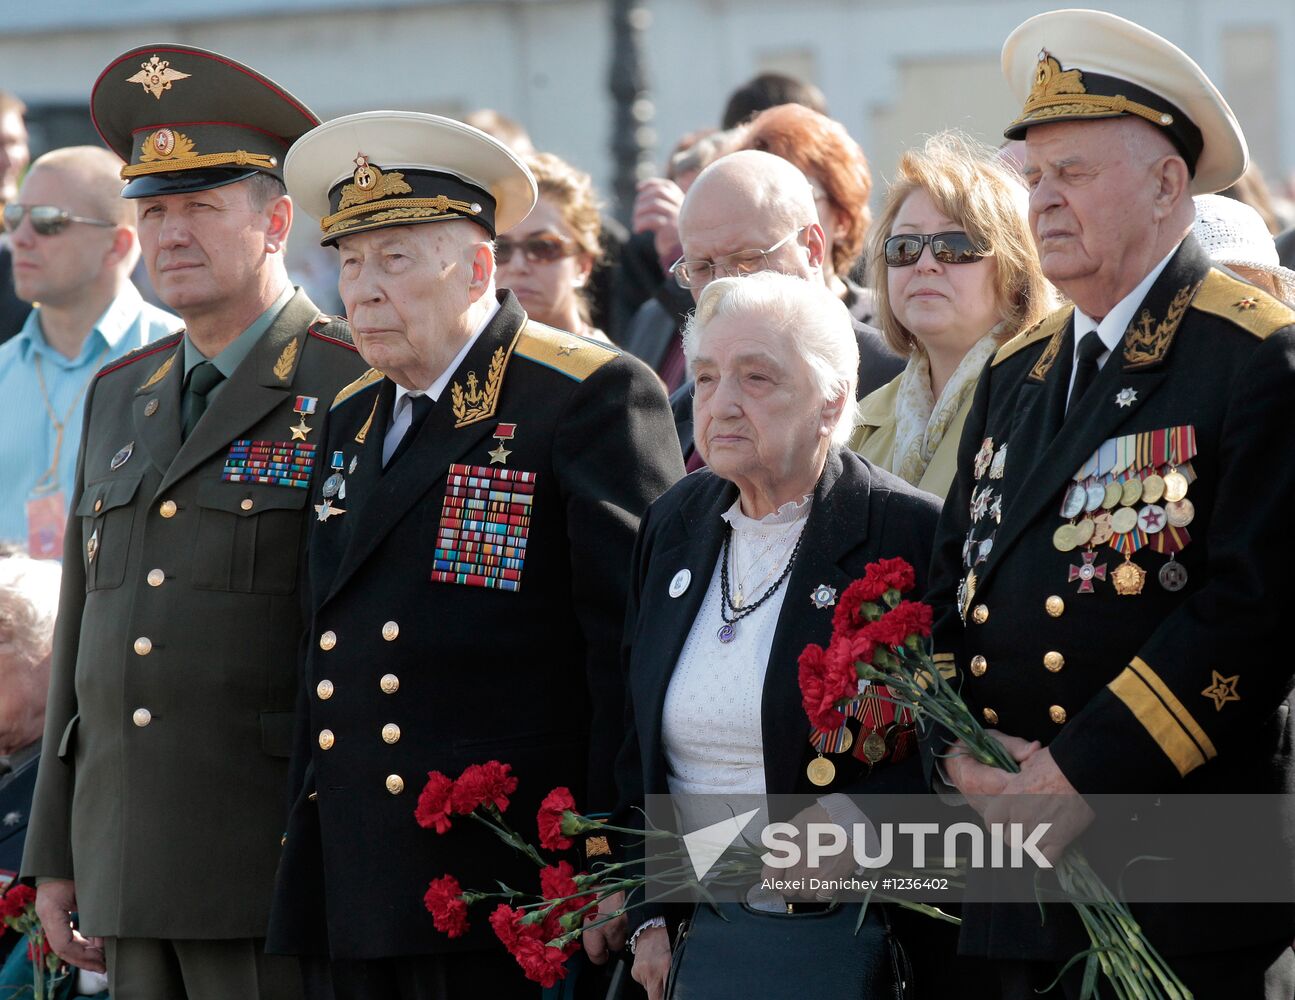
1248,307
1051,326
573,356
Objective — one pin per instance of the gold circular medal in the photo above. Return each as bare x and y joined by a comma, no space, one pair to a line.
1083,532
1175,486
874,747
1153,488
1180,513
1063,539
1132,492
847,741
1128,578
1112,495
1102,529
821,771
1124,520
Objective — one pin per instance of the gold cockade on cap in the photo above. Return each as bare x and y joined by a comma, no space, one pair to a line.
1058,93
370,184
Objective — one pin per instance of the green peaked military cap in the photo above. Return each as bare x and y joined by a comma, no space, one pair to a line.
186,119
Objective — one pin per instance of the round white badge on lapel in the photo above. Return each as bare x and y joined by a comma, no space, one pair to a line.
680,583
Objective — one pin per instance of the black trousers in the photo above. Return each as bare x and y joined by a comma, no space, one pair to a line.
1264,972
462,976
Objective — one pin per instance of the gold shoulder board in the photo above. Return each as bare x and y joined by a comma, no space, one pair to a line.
1042,330
360,384
573,356
1248,307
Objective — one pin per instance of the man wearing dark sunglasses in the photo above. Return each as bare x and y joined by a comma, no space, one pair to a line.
74,245
159,800
1111,572
752,211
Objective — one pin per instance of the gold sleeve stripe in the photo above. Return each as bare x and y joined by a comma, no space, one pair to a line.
1163,716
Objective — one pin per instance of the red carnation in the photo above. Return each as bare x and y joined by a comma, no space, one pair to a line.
860,592
549,820
44,949
483,785
905,619
559,883
826,677
433,811
444,901
505,922
541,963
896,573
14,903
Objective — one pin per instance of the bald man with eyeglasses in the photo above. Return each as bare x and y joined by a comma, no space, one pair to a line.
74,244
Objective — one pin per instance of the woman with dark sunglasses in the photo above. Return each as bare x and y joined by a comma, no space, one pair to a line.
955,274
546,259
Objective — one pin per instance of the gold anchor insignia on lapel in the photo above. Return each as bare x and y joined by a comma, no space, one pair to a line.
1146,344
158,375
478,401
283,367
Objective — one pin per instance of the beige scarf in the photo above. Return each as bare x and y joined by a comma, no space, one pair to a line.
921,421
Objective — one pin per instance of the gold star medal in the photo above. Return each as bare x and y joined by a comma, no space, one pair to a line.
503,434
304,407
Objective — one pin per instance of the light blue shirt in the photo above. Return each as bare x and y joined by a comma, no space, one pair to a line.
27,435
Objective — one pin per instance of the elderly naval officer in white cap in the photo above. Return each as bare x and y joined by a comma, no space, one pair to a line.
467,566
1124,473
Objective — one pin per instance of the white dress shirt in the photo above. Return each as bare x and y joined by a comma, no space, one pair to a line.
1114,323
402,410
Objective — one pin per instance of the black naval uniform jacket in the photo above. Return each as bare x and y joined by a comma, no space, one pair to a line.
169,723
405,673
1162,691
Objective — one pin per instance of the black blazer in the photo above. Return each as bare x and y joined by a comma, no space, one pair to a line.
860,514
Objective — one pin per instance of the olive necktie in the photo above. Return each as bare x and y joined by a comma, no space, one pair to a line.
204,377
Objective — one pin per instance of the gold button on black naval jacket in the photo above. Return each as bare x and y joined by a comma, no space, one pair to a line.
1054,606
390,631
326,739
390,683
990,716
324,689
978,666
980,614
390,733
395,784
1053,660
328,640
1057,714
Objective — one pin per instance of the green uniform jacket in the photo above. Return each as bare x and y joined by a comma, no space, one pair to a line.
169,725
874,438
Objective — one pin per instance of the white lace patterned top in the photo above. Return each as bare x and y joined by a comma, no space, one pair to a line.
711,722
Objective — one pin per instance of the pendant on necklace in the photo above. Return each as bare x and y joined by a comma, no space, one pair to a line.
737,598
726,632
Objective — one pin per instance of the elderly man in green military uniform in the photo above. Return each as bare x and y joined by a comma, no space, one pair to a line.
159,803
1114,528
467,570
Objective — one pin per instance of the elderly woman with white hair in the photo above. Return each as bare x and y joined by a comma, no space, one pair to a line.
738,567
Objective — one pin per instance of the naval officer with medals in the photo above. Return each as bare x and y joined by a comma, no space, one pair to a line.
467,570
160,798
1109,576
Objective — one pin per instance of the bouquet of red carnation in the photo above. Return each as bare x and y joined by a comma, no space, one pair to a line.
883,639
18,911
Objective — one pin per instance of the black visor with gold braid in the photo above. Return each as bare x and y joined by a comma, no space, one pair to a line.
187,119
375,198
1072,95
